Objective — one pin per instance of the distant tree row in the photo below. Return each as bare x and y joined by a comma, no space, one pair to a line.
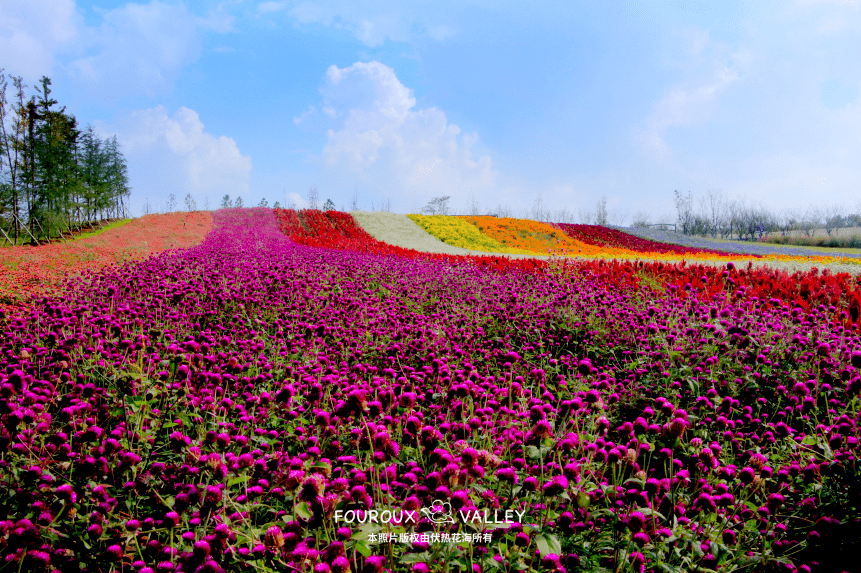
54,177
716,215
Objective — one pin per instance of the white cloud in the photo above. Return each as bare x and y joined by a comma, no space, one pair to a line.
32,31
174,154
372,23
381,140
136,49
711,70
295,201
140,48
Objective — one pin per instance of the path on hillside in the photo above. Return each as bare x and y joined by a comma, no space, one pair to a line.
730,246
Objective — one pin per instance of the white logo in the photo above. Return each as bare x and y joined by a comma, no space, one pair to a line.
439,512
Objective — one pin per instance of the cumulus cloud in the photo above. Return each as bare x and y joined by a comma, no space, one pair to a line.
32,31
380,138
173,154
140,48
135,49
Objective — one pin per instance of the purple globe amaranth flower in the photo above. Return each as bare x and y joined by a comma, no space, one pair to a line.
374,564
66,493
274,538
747,475
641,539
584,366
555,486
636,521
508,475
340,564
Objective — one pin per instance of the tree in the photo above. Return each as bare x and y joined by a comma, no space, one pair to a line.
263,203
277,205
11,140
684,210
641,219
473,206
190,203
832,217
238,203
171,203
313,198
354,202
329,205
437,206
601,212
225,202
538,213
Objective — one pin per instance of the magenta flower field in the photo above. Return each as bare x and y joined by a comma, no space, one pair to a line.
253,404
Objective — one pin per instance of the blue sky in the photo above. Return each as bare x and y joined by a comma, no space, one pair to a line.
503,102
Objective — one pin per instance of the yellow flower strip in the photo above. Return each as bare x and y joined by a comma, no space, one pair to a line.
458,232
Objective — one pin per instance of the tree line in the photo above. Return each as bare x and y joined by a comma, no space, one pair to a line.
718,216
55,178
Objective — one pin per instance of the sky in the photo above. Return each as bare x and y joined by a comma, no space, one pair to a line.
499,103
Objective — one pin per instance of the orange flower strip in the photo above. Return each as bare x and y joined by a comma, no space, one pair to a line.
27,272
537,237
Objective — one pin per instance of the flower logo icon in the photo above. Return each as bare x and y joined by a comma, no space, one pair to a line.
439,512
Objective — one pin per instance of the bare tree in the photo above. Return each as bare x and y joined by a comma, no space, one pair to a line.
538,213
713,205
437,206
473,207
238,203
811,221
503,211
684,211
833,218
584,217
642,219
354,202
618,217
313,198
190,203
171,202
601,211
206,203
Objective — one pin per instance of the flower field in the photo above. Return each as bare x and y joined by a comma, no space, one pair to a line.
29,272
459,232
261,402
600,236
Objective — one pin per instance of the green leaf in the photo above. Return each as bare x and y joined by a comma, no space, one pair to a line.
303,510
582,500
548,544
362,547
422,557
366,530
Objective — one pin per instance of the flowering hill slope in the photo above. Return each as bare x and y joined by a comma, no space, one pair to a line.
236,405
30,272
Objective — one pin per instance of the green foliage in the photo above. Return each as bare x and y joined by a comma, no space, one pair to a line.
55,176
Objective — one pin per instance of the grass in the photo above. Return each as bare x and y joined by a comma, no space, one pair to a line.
24,238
